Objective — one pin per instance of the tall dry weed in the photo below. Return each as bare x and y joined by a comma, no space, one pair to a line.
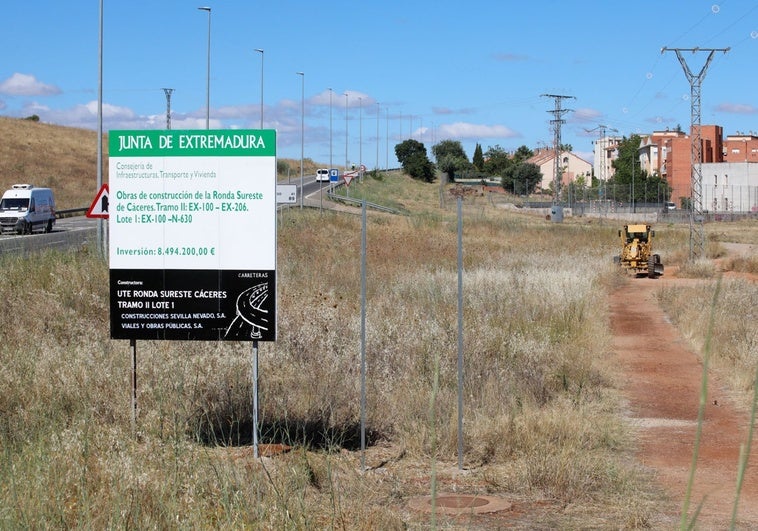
734,343
538,396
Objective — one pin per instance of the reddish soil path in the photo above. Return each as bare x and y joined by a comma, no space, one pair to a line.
662,380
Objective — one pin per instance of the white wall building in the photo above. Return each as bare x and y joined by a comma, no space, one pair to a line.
606,151
730,187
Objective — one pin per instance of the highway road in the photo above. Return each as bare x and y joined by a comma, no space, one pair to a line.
309,185
78,231
68,233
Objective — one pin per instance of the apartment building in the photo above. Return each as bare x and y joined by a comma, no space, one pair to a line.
727,184
572,167
605,152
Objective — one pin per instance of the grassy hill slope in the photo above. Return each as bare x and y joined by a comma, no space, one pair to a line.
62,158
65,159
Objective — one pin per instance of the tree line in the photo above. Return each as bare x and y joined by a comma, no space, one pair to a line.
518,176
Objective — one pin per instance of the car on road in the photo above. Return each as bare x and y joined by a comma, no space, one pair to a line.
322,175
25,208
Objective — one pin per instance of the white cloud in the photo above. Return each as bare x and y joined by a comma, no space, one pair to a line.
354,99
736,108
478,131
585,115
85,116
26,85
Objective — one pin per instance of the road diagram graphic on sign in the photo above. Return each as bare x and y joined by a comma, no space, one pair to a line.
252,318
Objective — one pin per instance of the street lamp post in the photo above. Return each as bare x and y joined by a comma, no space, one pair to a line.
208,73
360,133
302,132
331,92
387,140
378,109
346,132
260,51
633,208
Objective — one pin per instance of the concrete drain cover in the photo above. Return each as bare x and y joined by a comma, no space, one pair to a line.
460,504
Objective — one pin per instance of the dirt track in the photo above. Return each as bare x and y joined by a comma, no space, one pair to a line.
662,384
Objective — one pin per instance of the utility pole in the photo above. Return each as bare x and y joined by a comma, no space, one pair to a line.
168,92
603,159
697,236
603,139
556,123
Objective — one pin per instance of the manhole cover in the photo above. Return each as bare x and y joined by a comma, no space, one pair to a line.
460,503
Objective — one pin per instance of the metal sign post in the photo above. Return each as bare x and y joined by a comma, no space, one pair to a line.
460,334
133,346
255,399
363,336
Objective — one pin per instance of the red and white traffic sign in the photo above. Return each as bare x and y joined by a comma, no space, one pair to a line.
348,177
99,207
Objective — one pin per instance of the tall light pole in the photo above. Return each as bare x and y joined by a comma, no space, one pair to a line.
635,155
378,109
208,73
330,130
387,141
302,132
360,132
100,224
260,51
346,132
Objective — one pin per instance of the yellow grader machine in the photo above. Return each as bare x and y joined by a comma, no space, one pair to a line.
637,251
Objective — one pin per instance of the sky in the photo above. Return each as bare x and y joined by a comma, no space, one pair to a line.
377,73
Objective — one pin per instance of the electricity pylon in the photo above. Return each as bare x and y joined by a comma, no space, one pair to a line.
697,236
556,123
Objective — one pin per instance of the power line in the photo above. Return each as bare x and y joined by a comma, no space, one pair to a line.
697,237
556,123
168,92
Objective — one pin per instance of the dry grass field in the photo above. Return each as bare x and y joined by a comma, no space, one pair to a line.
544,426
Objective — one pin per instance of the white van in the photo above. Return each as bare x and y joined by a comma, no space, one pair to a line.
25,208
322,175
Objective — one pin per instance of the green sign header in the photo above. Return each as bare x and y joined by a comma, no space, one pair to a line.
193,143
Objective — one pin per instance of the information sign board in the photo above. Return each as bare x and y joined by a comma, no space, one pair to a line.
192,234
286,194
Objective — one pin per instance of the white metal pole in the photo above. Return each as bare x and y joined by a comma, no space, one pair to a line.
208,73
260,51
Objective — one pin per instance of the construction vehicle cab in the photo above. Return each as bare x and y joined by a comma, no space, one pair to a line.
637,251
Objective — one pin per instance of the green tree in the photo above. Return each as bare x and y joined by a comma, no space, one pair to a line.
521,178
630,180
478,159
412,156
450,157
497,160
448,147
522,154
407,148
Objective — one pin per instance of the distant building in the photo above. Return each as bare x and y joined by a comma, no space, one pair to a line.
729,167
606,151
741,148
572,167
654,149
730,187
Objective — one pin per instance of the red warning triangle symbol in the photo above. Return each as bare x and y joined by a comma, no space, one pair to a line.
99,207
